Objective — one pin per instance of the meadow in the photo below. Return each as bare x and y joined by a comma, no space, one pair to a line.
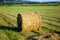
8,23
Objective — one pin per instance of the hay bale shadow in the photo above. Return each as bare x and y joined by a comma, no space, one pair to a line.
19,22
8,28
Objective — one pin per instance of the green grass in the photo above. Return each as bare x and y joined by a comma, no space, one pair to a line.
8,24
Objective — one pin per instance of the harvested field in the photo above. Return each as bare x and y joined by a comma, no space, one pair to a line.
8,23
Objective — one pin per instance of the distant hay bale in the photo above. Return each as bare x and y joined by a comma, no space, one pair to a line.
29,21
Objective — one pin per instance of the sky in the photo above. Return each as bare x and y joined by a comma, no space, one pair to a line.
43,0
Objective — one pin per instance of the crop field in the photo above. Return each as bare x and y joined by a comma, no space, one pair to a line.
8,21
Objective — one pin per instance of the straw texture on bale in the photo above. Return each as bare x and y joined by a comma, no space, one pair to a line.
29,21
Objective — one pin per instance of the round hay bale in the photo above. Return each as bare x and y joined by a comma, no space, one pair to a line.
29,21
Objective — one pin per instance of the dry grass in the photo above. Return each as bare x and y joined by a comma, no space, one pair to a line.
47,36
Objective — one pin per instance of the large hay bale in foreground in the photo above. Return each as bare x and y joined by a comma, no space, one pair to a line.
29,21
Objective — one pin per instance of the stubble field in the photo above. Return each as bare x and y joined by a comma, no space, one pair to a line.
8,23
